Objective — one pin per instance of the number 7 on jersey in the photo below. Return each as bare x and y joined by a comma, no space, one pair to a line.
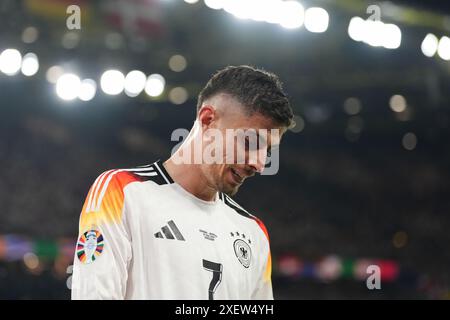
216,269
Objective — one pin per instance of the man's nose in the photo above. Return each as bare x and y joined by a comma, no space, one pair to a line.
257,161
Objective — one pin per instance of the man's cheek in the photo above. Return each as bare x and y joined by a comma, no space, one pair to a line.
272,163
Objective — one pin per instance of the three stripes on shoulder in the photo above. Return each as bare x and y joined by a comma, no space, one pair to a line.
102,182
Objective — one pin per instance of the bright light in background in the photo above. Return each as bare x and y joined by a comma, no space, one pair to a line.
114,40
178,95
53,74
112,82
293,14
257,10
88,88
241,9
444,48
270,11
155,85
262,11
31,260
30,34
70,40
429,45
191,1
397,103
214,4
10,61
356,28
375,33
135,83
316,20
289,14
392,36
177,63
299,124
68,86
30,64
330,268
409,141
352,106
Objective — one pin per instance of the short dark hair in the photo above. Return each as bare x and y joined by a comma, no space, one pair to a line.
258,90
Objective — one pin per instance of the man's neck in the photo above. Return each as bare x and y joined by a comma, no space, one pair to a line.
191,178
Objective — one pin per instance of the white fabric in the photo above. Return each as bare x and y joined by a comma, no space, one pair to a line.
135,264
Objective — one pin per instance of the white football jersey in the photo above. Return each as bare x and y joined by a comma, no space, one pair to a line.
142,236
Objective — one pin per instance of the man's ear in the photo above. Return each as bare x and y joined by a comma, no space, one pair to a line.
207,115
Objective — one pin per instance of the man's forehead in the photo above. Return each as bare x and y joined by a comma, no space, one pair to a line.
270,137
236,115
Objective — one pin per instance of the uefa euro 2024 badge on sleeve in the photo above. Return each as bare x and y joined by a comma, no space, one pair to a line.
90,246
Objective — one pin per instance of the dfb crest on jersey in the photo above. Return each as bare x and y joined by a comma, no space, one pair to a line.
242,249
90,246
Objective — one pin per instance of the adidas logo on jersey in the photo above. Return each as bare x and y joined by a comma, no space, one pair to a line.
170,231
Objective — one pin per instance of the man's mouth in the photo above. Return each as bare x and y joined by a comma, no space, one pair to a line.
237,176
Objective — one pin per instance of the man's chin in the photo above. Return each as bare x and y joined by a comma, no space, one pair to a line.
230,190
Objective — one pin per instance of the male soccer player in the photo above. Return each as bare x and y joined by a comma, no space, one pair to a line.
170,230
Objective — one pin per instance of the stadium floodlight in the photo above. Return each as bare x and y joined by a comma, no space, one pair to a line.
375,33
356,28
398,103
392,36
293,14
10,61
68,86
53,74
429,45
238,8
289,14
177,63
30,64
178,95
88,88
155,85
134,83
409,141
271,11
262,11
214,4
444,48
316,20
30,34
112,82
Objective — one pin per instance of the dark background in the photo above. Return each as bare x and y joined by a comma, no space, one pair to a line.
348,192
